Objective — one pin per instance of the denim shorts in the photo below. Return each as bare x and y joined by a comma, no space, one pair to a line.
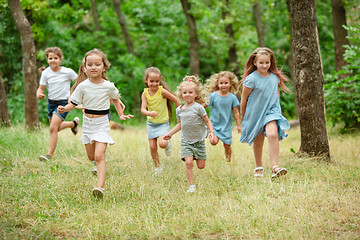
52,108
196,149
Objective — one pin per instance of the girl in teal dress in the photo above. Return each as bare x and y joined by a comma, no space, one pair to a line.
260,108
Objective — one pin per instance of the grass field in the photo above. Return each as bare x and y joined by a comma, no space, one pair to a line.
50,200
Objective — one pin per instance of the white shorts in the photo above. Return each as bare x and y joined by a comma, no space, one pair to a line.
96,129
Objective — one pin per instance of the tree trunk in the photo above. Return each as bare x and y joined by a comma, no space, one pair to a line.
309,79
258,24
340,33
4,112
129,43
95,15
232,64
29,64
194,40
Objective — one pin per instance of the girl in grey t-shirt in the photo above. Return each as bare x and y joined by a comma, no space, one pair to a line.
192,118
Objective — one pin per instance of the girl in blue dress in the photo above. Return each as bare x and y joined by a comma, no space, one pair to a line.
224,104
260,108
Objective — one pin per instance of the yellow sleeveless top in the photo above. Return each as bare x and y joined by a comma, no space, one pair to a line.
157,103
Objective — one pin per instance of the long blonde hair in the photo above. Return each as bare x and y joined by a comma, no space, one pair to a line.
250,66
192,81
104,58
212,84
163,83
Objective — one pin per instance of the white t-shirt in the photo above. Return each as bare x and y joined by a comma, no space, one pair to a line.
58,83
94,96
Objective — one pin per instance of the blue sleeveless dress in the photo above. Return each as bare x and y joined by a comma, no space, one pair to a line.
262,107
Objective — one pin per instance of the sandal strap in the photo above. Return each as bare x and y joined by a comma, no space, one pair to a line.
276,166
258,168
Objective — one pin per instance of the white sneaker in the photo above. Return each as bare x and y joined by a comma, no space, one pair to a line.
158,171
98,193
168,149
94,171
192,188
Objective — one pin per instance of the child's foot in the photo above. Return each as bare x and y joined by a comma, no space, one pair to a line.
98,192
158,171
76,123
227,163
44,158
259,171
278,171
94,171
168,149
192,188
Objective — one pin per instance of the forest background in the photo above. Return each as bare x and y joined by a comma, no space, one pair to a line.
159,36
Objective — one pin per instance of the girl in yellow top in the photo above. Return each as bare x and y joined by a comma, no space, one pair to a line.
157,100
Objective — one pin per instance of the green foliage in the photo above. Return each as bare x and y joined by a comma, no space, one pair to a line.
342,89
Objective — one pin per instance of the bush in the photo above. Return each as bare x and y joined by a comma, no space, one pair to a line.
342,89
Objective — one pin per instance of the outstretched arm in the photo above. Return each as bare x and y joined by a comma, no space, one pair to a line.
173,131
66,108
120,107
166,94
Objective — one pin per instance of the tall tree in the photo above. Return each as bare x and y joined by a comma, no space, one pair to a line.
4,113
122,21
194,40
309,79
258,23
95,15
28,63
233,64
340,33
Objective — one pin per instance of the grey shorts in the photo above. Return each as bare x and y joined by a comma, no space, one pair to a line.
195,149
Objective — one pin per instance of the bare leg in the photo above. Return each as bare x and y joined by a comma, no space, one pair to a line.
189,164
258,149
55,123
227,152
153,152
98,149
66,124
163,143
273,139
200,163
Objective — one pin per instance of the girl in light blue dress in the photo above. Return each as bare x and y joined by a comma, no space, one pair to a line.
224,104
260,108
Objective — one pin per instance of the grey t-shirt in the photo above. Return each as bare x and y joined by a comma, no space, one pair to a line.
193,127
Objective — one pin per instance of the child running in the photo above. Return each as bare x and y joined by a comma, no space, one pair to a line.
222,87
260,108
94,94
156,104
191,117
57,80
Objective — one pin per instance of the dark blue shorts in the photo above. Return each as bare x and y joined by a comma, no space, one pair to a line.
52,108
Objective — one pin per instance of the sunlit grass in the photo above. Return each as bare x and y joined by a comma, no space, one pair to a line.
53,199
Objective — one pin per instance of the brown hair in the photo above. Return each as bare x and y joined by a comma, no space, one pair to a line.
250,66
169,103
54,50
81,76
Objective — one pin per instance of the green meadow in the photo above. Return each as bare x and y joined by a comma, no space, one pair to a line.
52,200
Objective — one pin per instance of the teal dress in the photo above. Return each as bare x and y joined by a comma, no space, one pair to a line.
262,107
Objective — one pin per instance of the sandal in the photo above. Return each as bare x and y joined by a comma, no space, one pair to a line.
75,128
258,174
98,192
279,172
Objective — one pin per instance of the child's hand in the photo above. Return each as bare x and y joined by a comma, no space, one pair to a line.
153,114
239,129
124,117
60,109
167,137
40,95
